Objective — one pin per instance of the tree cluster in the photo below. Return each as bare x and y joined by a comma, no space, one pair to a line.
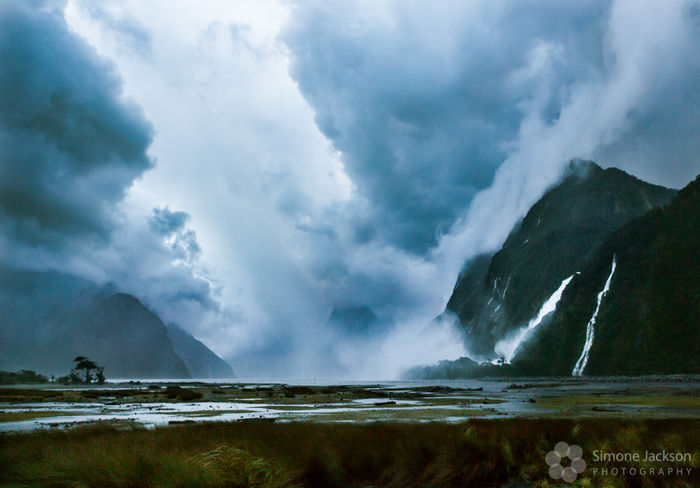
85,372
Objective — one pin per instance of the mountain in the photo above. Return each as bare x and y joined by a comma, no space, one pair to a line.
119,333
648,319
496,297
354,321
48,318
459,368
199,359
31,303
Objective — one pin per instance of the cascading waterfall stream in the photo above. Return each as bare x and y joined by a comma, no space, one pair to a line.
506,348
590,328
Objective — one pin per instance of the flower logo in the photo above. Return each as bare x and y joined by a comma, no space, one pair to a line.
561,451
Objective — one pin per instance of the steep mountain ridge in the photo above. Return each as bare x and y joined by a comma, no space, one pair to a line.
648,322
199,359
495,295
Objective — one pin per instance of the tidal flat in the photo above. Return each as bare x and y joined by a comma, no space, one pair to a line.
159,403
440,434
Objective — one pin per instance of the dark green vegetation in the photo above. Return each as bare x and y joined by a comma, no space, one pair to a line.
24,377
558,237
459,368
650,319
504,452
48,318
164,394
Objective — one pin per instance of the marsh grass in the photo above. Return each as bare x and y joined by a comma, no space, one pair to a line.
479,452
401,414
233,467
564,401
31,415
209,413
27,395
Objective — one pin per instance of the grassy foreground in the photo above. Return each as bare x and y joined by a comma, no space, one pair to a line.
259,454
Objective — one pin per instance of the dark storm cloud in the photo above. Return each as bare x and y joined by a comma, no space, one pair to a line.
453,118
69,144
171,225
166,221
663,144
450,119
422,102
70,148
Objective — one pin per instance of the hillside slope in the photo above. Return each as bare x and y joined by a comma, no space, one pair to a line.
648,322
199,359
119,333
498,294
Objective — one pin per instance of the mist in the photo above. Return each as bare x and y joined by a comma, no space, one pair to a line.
299,185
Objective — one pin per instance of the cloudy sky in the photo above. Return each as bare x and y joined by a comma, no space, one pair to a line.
268,173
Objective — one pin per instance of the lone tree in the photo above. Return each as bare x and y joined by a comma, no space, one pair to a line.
87,371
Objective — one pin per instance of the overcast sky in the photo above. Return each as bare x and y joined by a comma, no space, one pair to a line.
246,168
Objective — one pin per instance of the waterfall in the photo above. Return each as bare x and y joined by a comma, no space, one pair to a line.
506,348
590,328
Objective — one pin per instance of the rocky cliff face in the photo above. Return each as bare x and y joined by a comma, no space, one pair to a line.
641,318
498,295
602,277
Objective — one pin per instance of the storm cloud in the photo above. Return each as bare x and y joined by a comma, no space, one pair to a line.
295,166
70,145
425,104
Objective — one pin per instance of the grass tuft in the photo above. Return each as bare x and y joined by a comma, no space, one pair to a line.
235,468
480,452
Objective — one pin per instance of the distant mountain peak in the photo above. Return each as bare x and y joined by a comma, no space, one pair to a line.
125,298
49,318
201,361
582,168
